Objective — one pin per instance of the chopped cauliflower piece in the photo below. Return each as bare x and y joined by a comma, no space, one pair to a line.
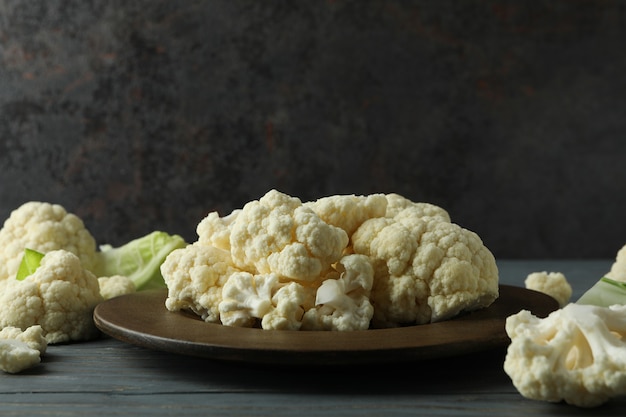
343,303
59,296
115,286
194,276
577,354
618,268
20,350
553,284
246,297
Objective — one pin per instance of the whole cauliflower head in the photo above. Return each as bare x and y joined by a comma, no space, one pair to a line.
577,354
60,296
278,234
426,268
43,227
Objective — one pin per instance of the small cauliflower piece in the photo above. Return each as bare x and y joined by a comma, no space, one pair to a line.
618,268
252,299
214,230
194,276
348,212
59,296
115,286
553,284
246,298
577,354
289,302
343,303
43,227
426,268
21,349
278,234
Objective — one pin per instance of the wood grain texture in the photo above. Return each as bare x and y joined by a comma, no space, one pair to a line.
110,378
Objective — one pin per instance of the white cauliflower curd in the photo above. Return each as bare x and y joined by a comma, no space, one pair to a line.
553,284
342,262
21,349
577,354
43,227
59,296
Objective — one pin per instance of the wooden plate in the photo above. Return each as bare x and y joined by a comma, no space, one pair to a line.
142,319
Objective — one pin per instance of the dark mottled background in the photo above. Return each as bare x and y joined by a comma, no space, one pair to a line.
143,115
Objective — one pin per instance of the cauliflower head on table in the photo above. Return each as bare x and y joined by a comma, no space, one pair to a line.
43,227
59,296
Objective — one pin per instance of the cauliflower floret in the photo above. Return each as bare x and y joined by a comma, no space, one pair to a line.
249,299
278,234
618,269
289,303
21,349
577,354
553,284
342,303
246,298
59,296
426,269
194,276
348,212
214,230
397,203
115,285
43,227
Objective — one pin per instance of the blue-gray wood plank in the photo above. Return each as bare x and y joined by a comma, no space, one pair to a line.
108,377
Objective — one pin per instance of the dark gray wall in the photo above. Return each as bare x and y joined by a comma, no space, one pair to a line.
143,115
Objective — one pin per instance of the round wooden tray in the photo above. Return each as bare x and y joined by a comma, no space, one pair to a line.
142,319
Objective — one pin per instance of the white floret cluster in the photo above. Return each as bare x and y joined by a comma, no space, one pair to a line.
342,262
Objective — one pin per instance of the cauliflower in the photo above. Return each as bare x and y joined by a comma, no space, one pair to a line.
194,276
553,284
618,268
278,234
43,227
214,230
342,303
115,285
348,211
246,297
59,296
341,262
249,299
577,354
426,268
20,350
397,203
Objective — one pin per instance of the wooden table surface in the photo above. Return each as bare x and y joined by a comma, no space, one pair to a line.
109,377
